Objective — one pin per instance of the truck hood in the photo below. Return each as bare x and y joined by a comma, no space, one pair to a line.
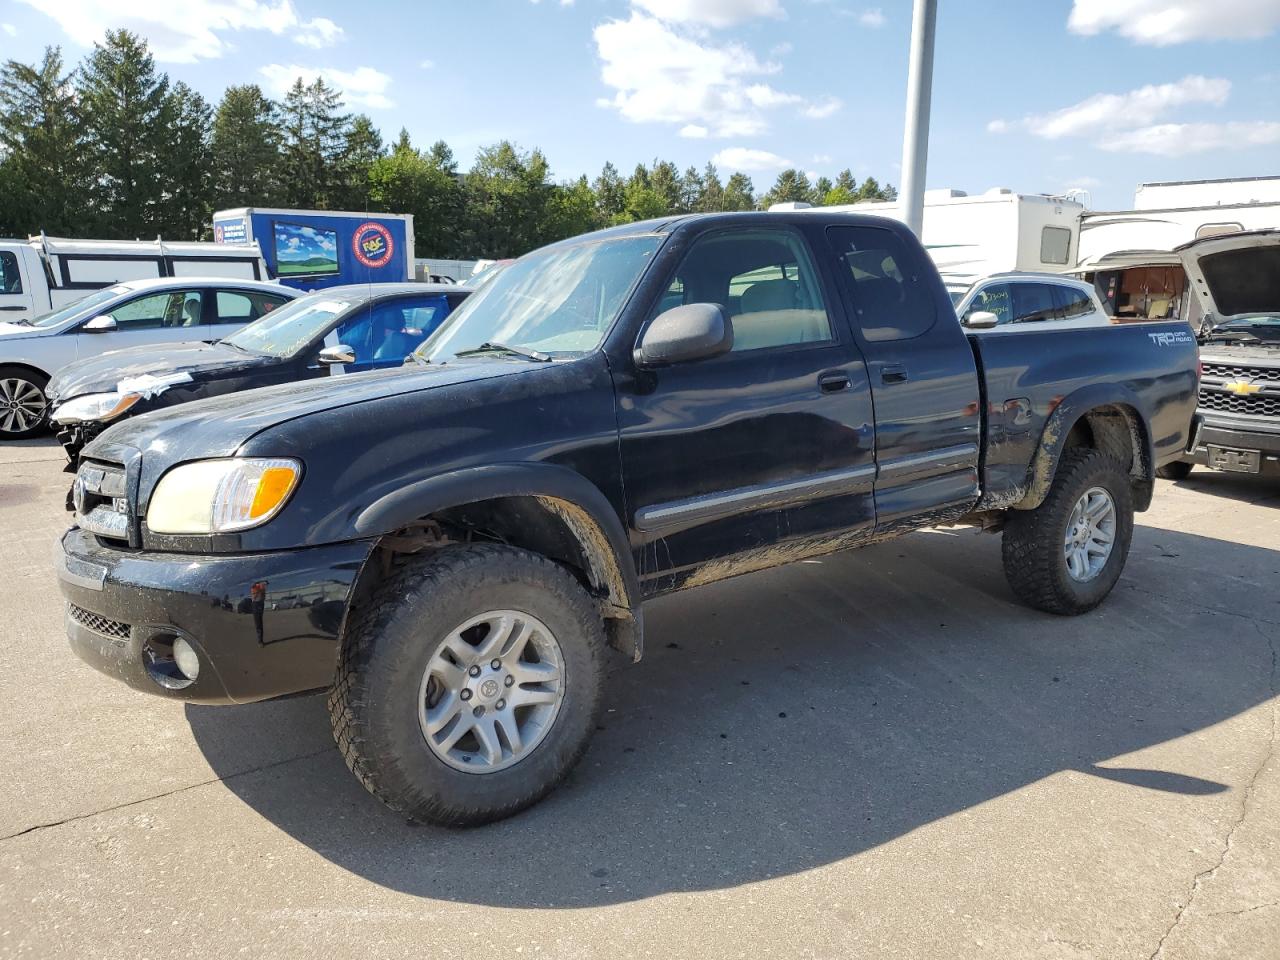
1235,275
103,373
218,426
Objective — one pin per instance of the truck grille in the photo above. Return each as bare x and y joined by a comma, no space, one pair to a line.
100,498
1258,405
98,624
1232,372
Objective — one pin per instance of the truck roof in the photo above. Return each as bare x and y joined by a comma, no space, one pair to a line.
667,224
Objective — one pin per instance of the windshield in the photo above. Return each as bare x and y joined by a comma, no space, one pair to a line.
560,301
286,330
85,305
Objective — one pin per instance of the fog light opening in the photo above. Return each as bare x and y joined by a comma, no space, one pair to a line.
171,661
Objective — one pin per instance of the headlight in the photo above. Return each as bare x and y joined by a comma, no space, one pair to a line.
219,496
95,406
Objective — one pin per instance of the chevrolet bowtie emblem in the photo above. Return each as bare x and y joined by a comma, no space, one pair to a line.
1243,388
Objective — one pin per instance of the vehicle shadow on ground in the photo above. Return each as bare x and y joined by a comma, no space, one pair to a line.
786,720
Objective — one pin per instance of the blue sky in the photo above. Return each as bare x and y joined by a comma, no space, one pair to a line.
1038,95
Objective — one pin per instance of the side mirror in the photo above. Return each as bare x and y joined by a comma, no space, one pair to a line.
695,331
339,354
102,324
981,320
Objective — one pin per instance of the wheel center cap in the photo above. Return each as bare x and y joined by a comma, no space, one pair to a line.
489,689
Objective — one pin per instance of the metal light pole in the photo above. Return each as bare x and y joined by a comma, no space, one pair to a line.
915,140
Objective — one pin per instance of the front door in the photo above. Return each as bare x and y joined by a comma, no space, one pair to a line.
761,454
167,317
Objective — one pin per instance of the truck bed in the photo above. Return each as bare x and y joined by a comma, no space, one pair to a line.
1026,376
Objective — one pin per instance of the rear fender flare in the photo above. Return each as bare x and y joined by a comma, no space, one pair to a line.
1093,399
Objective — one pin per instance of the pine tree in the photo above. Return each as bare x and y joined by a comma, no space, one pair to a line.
610,192
691,189
791,186
41,149
186,186
314,139
664,180
739,193
125,107
821,187
361,147
712,197
246,149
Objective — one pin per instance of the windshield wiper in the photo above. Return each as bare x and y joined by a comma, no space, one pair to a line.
492,346
236,346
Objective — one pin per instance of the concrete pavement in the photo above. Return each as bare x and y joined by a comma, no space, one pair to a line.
875,754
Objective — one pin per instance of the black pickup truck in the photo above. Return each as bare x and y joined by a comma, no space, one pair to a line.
451,547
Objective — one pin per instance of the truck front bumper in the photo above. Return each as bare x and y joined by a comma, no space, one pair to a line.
260,625
1218,442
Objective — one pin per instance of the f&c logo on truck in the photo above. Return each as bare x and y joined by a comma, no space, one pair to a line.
372,244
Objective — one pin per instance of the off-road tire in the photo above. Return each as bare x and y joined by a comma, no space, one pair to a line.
39,382
1034,562
1176,470
374,706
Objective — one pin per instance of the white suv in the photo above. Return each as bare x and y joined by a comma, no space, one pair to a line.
1031,301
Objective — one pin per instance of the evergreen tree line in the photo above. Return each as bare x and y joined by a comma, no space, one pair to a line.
112,149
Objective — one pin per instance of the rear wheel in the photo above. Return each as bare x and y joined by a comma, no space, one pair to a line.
1177,470
23,405
469,685
1066,555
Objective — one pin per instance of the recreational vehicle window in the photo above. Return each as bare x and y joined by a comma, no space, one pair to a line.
1217,229
1055,245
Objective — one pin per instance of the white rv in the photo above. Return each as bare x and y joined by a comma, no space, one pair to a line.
993,232
45,273
1128,254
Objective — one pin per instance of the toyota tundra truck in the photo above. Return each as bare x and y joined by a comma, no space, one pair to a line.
452,548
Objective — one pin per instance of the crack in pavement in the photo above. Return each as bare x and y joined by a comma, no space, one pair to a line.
1236,913
1196,604
160,796
1204,876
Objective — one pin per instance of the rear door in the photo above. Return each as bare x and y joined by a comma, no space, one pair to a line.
761,454
924,380
232,309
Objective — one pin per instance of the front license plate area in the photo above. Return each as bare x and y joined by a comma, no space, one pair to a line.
1235,461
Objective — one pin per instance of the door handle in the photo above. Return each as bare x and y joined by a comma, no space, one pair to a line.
894,373
13,308
833,381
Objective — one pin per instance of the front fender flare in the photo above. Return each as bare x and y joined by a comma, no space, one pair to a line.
579,504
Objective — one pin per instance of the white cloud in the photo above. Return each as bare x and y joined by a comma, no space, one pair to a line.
1164,22
663,74
1180,139
426,64
1115,111
873,18
9,29
823,108
693,131
711,13
822,158
998,126
781,49
361,87
189,31
750,161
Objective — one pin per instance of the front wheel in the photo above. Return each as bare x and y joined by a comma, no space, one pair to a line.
23,412
469,685
1066,555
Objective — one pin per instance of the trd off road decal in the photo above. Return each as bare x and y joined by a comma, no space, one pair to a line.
1169,339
